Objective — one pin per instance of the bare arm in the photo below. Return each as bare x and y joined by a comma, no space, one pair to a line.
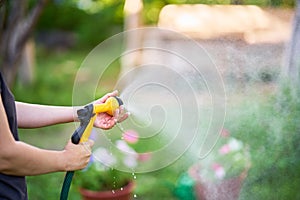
18,158
34,115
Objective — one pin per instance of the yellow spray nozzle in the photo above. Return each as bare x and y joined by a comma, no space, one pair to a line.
110,106
87,117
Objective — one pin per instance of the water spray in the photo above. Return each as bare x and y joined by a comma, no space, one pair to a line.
176,96
87,116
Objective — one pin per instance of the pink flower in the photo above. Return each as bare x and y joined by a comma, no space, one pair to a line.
219,171
216,166
144,156
225,149
225,133
131,136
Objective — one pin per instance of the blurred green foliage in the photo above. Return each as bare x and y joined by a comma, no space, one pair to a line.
271,129
54,76
91,27
98,178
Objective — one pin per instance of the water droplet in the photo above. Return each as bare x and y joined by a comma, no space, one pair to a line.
134,195
133,174
121,188
113,191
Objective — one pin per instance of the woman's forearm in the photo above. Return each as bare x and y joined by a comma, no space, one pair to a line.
20,159
34,115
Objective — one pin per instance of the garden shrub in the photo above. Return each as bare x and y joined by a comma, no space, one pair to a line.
272,131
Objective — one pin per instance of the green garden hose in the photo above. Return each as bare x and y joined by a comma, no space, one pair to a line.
66,185
84,115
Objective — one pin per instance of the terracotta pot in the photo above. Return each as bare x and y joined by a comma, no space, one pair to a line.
119,194
225,189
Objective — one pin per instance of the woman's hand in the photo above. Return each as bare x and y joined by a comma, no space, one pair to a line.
104,120
77,157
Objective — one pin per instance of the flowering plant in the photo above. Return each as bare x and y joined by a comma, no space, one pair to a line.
102,173
229,158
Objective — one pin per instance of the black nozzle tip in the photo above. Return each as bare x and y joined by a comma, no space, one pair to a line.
119,101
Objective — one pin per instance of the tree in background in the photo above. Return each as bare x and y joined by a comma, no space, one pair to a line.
17,24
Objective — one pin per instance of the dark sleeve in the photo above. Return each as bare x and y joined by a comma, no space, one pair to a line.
0,81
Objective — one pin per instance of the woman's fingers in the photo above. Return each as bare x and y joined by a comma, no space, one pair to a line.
106,96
